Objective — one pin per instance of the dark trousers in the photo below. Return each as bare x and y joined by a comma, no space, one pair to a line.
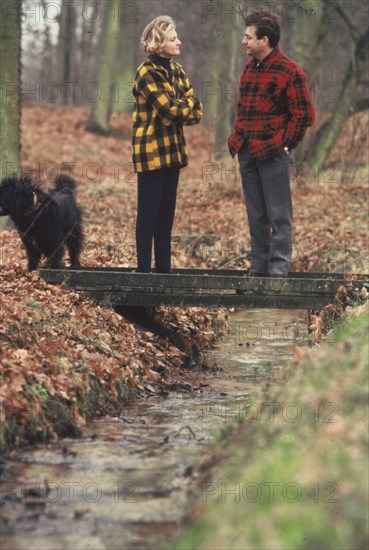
156,203
267,192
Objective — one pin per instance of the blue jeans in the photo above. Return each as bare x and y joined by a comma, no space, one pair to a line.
267,192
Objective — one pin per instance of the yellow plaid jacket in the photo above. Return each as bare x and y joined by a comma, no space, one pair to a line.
161,108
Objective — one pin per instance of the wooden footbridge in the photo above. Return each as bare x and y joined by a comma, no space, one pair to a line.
202,287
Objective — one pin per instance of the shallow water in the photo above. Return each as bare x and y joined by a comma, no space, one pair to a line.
123,484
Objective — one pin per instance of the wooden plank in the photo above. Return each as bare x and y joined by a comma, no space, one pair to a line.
214,300
317,291
53,274
114,279
217,288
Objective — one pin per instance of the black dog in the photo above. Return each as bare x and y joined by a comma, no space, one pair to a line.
46,221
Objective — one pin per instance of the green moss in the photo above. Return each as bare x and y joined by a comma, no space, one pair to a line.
98,396
51,416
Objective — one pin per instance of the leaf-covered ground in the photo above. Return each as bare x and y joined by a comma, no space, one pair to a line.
64,358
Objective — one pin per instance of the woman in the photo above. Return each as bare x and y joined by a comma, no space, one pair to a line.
164,102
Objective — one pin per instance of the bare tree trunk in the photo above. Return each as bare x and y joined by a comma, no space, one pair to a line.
211,85
65,47
90,35
49,64
317,52
99,119
300,35
10,68
325,138
303,34
125,61
228,96
220,89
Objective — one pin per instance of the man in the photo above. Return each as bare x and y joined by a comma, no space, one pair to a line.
274,111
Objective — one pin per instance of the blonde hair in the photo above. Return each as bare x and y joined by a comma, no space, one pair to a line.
155,33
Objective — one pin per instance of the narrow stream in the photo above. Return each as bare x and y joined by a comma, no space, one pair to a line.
122,486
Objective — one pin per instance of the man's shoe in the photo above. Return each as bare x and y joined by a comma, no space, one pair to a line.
255,274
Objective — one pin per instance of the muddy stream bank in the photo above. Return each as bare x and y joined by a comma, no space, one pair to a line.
123,484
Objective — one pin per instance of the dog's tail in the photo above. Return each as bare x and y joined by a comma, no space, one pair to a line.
65,184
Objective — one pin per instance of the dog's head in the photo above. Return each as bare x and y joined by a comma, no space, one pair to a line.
16,196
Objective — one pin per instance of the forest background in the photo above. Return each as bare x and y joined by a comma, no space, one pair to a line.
85,53
66,77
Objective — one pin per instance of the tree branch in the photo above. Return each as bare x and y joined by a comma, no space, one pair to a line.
355,33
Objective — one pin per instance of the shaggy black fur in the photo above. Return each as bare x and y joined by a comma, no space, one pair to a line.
47,222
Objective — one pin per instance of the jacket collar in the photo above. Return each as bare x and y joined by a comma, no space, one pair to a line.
268,60
153,60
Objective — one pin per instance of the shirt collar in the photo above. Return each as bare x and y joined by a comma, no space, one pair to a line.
268,60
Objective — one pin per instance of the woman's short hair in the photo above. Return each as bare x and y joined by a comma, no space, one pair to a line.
155,33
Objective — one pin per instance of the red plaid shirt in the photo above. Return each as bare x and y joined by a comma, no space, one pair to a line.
275,107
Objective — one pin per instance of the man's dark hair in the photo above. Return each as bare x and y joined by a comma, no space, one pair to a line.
266,25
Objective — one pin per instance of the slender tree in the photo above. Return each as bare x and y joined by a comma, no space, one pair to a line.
10,67
315,63
125,62
301,30
90,25
306,24
99,119
211,84
220,90
49,52
228,92
347,100
65,47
